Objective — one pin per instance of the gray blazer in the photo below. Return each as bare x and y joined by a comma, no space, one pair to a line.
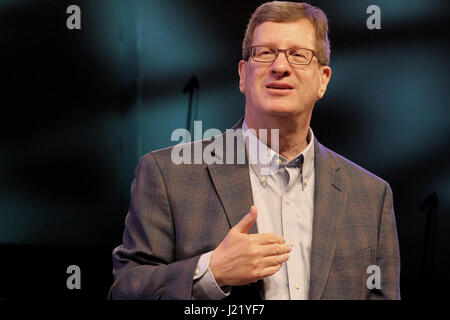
179,212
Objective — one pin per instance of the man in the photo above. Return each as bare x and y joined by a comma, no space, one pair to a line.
300,223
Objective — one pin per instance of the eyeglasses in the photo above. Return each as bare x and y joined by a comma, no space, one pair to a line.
299,56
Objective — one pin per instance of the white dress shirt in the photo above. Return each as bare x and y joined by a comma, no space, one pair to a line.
284,198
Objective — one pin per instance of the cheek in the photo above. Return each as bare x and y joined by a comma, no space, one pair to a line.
252,83
312,83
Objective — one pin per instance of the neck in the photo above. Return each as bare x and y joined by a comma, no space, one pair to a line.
293,132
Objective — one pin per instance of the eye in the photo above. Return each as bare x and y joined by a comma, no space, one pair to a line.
298,55
266,51
264,54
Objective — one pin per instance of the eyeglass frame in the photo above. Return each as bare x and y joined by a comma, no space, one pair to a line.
314,54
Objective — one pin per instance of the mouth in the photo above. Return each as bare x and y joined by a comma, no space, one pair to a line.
279,89
279,86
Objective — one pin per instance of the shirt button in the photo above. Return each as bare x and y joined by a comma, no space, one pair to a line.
297,286
196,271
287,201
305,181
291,244
263,179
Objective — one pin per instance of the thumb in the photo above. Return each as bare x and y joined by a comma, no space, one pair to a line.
247,221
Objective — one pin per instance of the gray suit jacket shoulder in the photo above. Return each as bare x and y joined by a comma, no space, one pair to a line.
179,212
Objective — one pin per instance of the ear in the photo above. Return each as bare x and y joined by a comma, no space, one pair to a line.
325,75
241,70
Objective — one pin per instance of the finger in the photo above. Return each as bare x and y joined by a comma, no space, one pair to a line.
268,238
274,249
247,221
271,270
271,261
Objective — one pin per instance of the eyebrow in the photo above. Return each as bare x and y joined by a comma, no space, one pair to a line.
274,46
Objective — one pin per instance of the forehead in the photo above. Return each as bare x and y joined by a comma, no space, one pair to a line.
283,35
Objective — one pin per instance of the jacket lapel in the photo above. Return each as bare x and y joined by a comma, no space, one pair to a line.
329,208
232,181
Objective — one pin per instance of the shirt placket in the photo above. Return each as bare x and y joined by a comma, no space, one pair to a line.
290,231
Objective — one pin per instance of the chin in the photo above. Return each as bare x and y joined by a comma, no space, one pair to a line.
281,110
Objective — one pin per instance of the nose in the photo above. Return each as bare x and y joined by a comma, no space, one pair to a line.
281,66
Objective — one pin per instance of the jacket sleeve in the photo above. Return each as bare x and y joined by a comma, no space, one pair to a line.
388,255
144,266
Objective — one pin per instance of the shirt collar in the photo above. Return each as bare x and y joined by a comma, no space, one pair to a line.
262,159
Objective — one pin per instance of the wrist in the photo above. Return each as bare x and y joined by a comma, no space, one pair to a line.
215,272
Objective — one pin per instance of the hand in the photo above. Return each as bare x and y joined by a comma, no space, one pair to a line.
242,258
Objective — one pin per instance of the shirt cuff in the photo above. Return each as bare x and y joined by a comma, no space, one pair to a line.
205,286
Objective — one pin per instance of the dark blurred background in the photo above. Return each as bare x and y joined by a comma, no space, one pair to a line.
80,107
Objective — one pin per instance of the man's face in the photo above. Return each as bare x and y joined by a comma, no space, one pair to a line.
259,81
